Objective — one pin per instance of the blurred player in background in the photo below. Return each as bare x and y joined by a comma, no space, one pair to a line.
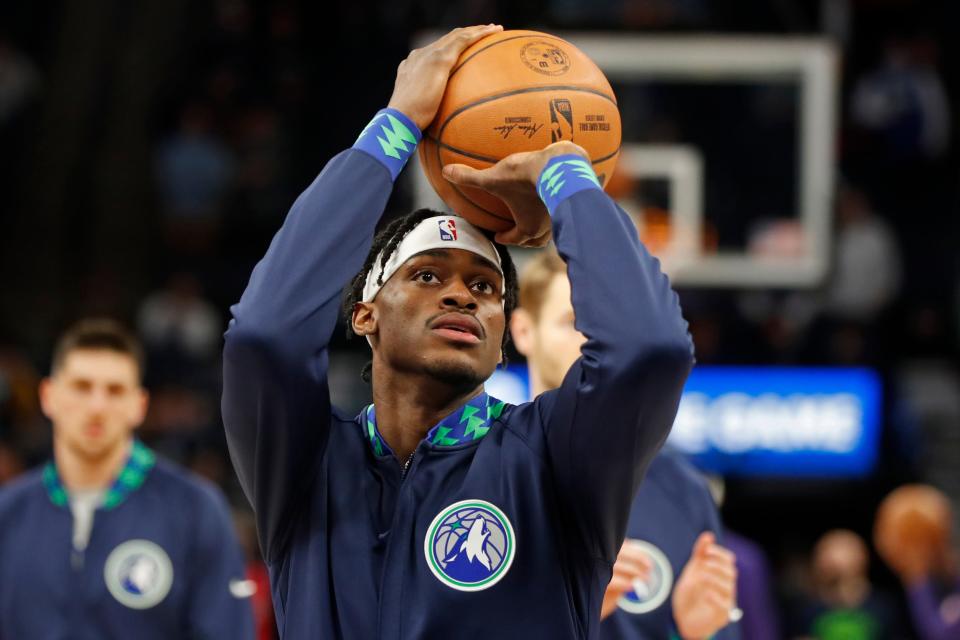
108,541
673,524
440,511
912,534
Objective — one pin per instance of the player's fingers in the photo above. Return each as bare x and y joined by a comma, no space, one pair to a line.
633,554
620,583
632,569
704,541
718,585
539,241
721,553
564,147
465,175
721,604
513,235
461,38
720,570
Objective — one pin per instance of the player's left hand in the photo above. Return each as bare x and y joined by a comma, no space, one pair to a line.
422,76
632,564
706,591
514,180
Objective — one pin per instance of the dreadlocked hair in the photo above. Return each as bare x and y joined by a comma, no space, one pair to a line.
387,241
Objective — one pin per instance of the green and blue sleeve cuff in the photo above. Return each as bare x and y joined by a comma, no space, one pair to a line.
391,138
564,176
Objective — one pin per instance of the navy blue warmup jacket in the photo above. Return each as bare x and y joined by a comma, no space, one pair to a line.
162,561
508,519
672,508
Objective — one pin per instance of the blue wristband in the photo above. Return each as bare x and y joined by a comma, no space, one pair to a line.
564,176
391,138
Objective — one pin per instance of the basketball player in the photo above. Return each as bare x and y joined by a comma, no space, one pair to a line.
674,523
108,541
441,511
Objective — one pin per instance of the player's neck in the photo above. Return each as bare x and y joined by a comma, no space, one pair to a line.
537,385
409,406
79,473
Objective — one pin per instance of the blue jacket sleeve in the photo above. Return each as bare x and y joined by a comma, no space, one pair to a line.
617,403
220,606
276,404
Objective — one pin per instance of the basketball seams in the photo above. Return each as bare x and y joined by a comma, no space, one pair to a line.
441,145
476,156
506,89
516,92
461,193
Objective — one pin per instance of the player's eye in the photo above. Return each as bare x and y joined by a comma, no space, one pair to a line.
483,286
427,277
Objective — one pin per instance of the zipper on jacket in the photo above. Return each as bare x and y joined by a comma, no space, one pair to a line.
406,465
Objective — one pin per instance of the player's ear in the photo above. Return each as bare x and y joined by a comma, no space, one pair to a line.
142,404
46,392
521,330
364,320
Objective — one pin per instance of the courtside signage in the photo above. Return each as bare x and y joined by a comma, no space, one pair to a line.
780,421
765,421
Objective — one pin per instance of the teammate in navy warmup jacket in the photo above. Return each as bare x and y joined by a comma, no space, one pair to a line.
107,541
674,522
440,511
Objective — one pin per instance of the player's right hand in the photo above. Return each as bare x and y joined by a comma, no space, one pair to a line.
514,180
422,76
632,564
705,595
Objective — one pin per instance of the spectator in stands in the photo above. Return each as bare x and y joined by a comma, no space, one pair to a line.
194,173
912,535
843,602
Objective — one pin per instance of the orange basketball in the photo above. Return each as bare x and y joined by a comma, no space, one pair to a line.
517,91
912,515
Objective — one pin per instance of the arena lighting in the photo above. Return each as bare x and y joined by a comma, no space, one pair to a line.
766,421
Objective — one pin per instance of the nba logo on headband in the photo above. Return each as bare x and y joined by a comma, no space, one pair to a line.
448,229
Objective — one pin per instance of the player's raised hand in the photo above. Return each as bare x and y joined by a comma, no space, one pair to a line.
514,180
632,564
422,76
705,595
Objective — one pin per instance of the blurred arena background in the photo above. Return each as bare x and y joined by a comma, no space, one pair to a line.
795,163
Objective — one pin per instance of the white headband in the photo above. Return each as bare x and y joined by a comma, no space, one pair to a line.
441,232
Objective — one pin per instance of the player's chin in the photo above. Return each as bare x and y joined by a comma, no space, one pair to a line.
458,369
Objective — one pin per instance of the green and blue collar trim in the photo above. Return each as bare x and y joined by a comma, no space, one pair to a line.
467,424
130,478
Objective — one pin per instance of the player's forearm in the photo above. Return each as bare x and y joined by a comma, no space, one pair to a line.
276,407
638,352
618,403
293,294
622,301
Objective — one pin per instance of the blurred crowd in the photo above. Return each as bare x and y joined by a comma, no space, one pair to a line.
143,171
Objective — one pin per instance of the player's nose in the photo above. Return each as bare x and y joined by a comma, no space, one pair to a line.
457,294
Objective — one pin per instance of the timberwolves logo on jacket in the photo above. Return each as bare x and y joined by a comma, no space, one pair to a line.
649,594
470,545
138,574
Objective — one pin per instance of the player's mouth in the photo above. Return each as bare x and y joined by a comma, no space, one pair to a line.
458,327
94,429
